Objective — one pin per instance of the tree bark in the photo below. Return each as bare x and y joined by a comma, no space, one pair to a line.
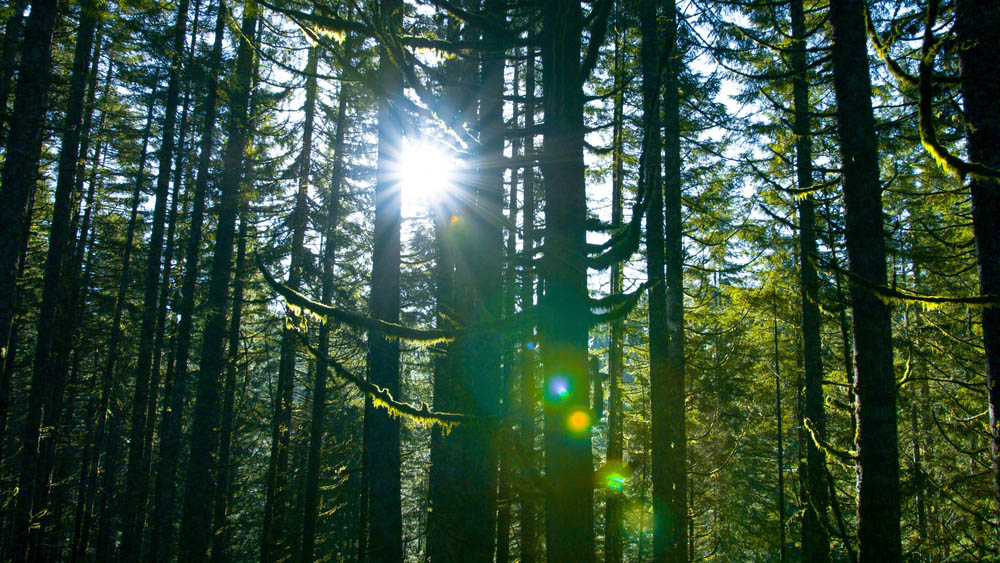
667,398
564,325
979,57
48,379
18,182
878,460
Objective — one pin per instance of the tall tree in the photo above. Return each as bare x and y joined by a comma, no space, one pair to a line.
979,56
202,476
18,185
815,542
20,168
385,532
668,395
137,478
276,500
875,383
164,513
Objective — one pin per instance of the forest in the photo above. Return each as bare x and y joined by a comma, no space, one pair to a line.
500,280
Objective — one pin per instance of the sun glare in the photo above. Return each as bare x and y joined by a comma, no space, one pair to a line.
426,172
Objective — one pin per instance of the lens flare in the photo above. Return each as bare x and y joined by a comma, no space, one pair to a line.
615,481
557,388
578,422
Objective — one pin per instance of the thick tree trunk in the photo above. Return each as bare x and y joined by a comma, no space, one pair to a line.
48,380
385,532
979,55
564,325
196,522
18,181
878,460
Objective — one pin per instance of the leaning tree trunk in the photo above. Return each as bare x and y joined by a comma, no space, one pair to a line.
48,381
875,384
979,55
196,521
18,180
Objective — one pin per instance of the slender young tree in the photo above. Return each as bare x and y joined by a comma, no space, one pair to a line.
317,428
277,497
815,541
875,384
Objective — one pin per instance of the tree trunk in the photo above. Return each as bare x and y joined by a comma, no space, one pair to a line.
385,533
979,57
311,502
564,325
878,460
196,522
164,513
276,504
8,59
815,542
613,508
48,379
221,534
137,478
667,398
528,383
18,181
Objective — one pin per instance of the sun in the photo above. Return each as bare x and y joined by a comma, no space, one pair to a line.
425,171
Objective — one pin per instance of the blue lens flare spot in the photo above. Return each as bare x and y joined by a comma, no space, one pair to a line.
557,388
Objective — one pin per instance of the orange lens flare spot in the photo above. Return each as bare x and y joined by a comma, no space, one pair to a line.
454,218
578,422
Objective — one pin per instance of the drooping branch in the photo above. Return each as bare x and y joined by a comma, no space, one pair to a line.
517,323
